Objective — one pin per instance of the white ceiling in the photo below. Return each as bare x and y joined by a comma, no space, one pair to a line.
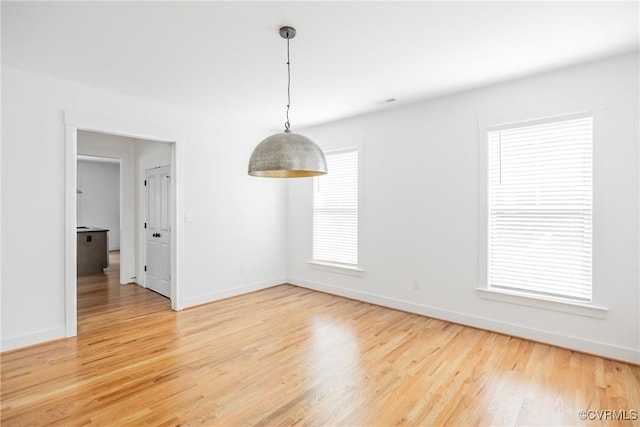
228,59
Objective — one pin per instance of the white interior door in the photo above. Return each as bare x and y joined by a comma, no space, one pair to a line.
158,266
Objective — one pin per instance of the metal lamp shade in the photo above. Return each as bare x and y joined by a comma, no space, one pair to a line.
287,155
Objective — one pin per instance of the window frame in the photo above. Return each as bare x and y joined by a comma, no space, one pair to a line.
357,269
555,303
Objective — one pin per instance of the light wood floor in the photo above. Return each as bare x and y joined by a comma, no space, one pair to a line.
286,356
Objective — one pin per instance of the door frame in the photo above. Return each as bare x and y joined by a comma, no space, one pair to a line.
75,121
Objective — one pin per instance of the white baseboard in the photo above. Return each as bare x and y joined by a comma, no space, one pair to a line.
227,293
31,339
625,354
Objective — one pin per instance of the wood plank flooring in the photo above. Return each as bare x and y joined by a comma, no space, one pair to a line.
291,356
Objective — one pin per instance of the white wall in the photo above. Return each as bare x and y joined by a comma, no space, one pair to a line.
420,207
237,221
420,174
99,202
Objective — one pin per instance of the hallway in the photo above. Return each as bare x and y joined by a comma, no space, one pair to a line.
103,301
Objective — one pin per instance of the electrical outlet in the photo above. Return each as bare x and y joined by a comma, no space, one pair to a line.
243,269
416,284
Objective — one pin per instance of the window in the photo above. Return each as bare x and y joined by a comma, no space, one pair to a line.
539,231
335,211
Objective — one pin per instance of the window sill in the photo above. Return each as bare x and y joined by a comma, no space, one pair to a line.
547,303
337,268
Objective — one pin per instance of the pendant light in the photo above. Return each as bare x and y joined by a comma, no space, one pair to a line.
287,154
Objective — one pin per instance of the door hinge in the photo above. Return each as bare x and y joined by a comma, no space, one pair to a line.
145,268
145,225
145,182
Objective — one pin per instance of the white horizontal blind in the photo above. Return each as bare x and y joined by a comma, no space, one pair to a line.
540,208
335,210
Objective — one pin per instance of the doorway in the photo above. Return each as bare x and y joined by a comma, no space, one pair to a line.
98,213
75,123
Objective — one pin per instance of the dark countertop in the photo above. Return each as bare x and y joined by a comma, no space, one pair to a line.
92,229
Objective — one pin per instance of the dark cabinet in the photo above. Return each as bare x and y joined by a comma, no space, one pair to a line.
93,254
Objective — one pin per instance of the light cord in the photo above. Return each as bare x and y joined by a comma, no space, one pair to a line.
287,125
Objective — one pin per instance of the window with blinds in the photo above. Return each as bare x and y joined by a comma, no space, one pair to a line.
540,208
335,211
